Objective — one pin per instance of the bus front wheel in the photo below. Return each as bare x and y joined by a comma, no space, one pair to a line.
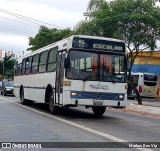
99,110
53,109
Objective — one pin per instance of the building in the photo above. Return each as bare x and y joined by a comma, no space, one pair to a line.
2,53
9,52
15,56
147,62
148,58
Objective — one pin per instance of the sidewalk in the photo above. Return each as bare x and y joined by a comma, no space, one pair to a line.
151,107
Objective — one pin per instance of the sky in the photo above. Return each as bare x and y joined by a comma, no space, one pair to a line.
14,32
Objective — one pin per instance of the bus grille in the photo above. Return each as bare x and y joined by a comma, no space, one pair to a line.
97,95
100,96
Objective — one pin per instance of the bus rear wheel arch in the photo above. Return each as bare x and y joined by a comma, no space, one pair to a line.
98,110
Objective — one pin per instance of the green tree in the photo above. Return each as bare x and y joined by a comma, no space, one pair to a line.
134,21
86,28
9,64
47,36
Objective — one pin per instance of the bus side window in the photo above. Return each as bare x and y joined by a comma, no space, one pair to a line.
51,63
23,66
35,61
28,65
16,69
20,69
43,61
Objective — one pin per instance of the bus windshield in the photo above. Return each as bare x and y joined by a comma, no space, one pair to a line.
96,66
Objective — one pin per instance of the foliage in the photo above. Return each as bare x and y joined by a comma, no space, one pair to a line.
86,28
47,36
9,64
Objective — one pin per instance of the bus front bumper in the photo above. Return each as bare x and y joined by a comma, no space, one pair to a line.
91,102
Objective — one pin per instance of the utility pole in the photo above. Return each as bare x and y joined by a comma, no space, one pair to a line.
3,66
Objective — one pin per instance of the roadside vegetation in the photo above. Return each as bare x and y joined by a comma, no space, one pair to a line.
7,67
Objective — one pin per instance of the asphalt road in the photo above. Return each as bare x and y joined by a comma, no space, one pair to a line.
34,123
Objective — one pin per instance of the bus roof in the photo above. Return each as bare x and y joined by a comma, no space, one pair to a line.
66,41
96,37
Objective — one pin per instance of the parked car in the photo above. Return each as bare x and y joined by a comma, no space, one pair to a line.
7,88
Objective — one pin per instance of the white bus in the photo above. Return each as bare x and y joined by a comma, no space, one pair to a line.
79,70
146,84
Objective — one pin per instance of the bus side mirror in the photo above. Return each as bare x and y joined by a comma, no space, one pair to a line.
67,63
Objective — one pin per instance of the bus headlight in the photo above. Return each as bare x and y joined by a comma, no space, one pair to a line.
76,94
120,96
73,94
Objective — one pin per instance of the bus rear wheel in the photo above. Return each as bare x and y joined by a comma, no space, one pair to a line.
53,109
99,110
22,99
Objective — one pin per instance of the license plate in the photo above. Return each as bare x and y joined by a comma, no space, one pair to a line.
98,102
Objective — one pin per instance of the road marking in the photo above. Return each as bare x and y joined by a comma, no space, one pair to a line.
105,135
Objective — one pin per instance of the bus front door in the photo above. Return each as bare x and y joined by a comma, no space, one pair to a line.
59,78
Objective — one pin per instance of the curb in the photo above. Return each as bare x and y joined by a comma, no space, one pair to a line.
143,109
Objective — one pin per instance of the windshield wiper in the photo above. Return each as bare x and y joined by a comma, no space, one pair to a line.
89,77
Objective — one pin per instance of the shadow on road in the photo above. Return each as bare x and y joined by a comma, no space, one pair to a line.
72,113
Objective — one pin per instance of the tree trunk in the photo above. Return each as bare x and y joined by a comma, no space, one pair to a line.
138,97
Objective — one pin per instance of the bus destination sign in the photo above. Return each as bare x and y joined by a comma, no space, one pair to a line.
107,47
98,44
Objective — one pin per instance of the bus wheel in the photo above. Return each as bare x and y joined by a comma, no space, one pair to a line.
23,101
53,109
99,110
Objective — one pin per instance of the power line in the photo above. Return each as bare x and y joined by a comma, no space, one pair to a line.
18,16
18,21
28,18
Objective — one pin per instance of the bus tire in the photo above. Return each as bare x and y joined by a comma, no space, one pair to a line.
23,101
52,108
99,110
